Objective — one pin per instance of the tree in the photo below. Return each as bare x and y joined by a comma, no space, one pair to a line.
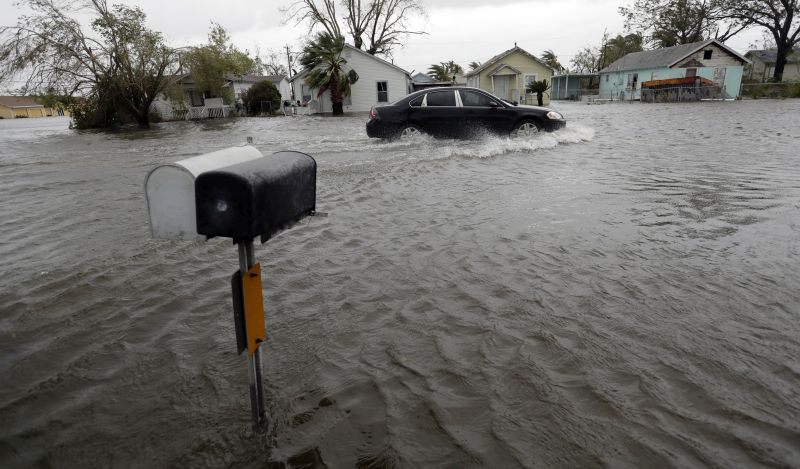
667,23
323,56
117,72
474,65
587,60
260,93
780,17
549,57
445,71
538,88
376,26
271,64
211,65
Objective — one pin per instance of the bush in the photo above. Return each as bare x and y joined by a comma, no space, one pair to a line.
262,97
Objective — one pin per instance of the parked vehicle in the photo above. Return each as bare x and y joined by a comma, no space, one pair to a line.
459,112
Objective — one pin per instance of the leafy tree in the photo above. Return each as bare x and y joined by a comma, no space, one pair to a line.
445,71
376,26
260,93
329,71
538,88
667,23
474,65
211,65
780,17
549,57
118,71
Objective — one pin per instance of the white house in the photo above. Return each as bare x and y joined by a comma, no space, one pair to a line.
242,83
379,82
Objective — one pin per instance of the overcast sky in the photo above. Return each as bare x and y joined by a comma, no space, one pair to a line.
459,30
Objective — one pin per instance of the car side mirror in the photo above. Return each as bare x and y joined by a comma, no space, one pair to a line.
493,105
515,103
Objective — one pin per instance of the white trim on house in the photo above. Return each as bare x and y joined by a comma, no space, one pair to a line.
706,44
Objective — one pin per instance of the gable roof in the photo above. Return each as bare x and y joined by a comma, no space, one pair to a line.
502,55
305,71
420,77
664,58
255,78
770,56
19,101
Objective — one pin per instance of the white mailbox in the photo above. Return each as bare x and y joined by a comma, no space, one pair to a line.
169,190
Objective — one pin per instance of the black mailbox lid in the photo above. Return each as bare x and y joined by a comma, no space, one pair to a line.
256,198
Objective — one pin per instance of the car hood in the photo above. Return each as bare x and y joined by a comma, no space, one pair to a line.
534,108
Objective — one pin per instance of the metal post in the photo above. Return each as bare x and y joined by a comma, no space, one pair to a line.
254,380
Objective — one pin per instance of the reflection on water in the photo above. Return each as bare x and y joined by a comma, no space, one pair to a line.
622,293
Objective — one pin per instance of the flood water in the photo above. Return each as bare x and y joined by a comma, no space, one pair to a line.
622,293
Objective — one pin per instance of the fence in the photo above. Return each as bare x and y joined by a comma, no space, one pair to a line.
771,90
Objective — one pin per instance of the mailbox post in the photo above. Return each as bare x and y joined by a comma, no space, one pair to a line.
235,193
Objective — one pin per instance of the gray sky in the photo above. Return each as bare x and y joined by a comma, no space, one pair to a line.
460,30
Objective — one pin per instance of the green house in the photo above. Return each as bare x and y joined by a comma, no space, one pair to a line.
507,74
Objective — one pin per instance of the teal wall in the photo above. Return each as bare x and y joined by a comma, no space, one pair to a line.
613,85
565,87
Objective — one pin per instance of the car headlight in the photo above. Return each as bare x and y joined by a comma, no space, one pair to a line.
555,116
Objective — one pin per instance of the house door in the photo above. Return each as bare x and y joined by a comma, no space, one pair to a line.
719,75
501,86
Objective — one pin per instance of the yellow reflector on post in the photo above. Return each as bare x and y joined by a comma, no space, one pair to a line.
253,309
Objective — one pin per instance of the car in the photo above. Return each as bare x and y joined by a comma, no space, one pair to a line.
459,112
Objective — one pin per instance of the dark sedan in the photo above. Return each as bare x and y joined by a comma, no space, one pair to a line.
457,112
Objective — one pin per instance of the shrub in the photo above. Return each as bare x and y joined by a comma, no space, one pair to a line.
262,97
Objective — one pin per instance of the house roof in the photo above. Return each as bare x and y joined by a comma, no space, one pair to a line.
770,56
255,78
502,55
664,58
502,66
420,77
19,101
304,72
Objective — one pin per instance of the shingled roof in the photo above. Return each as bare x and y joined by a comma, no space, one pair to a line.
501,55
663,58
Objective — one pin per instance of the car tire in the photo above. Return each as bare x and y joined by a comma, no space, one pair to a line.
408,131
526,128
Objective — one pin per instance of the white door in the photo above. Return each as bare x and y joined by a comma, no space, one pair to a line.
501,86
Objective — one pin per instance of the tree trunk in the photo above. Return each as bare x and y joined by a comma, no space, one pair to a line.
338,109
539,99
780,64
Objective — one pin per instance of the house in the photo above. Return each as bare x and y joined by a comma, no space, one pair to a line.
421,81
763,66
26,106
200,104
240,84
379,82
507,74
572,86
708,60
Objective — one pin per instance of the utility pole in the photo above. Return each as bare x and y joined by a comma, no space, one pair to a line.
289,65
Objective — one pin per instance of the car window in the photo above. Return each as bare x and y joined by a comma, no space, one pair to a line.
416,102
441,98
472,98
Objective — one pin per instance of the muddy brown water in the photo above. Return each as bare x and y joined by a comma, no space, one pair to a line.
624,293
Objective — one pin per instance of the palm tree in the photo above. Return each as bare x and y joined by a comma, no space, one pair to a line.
445,71
474,65
539,88
549,57
323,56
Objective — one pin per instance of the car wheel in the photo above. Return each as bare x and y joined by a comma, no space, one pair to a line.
526,129
409,131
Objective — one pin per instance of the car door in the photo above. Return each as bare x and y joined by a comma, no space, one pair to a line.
479,110
440,114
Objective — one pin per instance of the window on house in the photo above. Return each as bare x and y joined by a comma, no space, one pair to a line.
607,78
707,54
633,79
196,98
383,92
528,80
691,72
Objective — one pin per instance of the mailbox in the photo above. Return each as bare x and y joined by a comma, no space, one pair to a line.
169,190
258,197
